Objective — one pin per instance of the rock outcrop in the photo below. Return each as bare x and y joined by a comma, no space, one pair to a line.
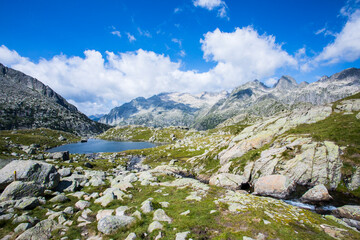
278,186
28,170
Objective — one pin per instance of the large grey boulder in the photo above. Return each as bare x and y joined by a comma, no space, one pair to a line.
27,203
59,199
110,224
348,211
68,186
65,172
39,172
41,231
227,180
17,190
319,193
278,186
60,155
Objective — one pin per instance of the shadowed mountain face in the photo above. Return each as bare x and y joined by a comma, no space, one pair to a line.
26,102
252,99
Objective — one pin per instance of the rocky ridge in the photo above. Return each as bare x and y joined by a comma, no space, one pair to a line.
27,103
162,110
247,102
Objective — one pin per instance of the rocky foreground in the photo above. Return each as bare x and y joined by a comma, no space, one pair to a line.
192,187
134,201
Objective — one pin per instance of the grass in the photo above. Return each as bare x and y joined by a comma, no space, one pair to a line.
44,137
140,133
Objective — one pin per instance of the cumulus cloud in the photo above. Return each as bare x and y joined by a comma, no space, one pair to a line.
97,82
346,46
213,4
244,54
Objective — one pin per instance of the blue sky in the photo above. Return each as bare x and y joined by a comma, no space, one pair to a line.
100,54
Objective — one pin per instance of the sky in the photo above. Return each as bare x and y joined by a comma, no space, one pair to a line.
101,54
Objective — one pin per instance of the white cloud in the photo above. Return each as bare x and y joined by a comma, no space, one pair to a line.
208,4
97,82
346,46
144,33
177,10
182,53
271,81
213,4
244,54
131,37
178,41
116,33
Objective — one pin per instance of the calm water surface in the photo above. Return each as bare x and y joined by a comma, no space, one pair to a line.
98,145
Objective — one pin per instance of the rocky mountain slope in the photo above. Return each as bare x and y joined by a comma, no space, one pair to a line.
249,101
254,99
26,102
165,109
197,187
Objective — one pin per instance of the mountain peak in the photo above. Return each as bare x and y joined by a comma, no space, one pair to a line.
286,83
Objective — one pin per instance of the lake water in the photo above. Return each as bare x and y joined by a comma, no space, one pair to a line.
98,145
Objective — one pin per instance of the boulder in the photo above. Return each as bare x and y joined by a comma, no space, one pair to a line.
348,211
131,236
103,213
154,226
227,180
146,206
65,172
278,186
182,235
88,165
319,193
59,199
68,186
120,211
60,155
17,190
106,199
22,227
27,203
42,230
110,224
160,215
81,204
39,172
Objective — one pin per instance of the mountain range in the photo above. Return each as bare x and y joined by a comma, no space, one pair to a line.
25,102
250,100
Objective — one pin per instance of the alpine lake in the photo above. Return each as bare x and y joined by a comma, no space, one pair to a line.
99,145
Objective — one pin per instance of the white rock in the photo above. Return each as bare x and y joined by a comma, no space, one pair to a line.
81,204
104,213
182,235
154,226
160,215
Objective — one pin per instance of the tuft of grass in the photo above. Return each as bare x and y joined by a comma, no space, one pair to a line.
239,163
